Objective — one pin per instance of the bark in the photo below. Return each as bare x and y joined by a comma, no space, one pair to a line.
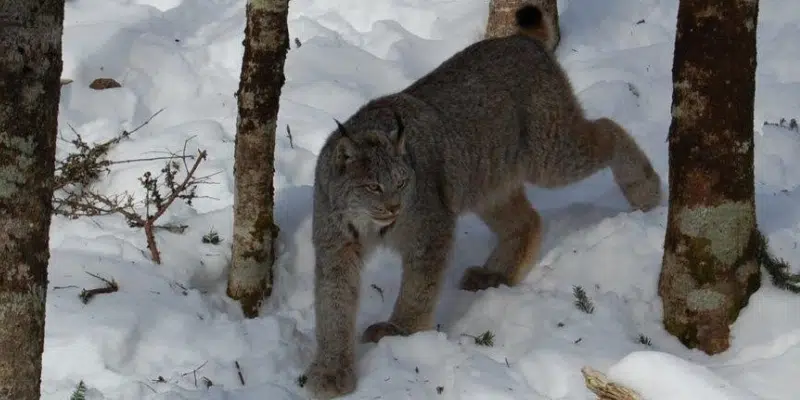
502,21
709,269
30,71
265,45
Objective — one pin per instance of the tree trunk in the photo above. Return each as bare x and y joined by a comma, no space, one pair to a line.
502,20
30,71
265,44
709,269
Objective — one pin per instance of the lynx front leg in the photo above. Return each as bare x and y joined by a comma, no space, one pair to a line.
337,279
424,260
519,230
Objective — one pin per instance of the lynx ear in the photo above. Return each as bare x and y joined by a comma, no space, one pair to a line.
340,127
398,134
345,148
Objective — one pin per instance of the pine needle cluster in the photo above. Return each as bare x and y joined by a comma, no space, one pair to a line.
777,268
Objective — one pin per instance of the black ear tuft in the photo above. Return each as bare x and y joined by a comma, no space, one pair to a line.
340,127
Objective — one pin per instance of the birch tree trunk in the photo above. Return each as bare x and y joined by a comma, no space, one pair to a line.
265,44
30,71
502,19
709,269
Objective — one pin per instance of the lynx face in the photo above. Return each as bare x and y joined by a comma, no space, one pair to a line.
375,179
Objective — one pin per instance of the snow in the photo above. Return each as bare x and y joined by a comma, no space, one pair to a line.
695,381
171,325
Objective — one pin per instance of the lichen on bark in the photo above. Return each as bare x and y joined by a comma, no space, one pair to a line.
266,42
727,228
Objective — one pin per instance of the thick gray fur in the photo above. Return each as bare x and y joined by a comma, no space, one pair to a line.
464,138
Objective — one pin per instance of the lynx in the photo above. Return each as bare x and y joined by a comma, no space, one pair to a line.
466,137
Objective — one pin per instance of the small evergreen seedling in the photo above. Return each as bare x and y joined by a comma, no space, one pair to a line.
212,237
777,268
80,392
486,339
207,382
645,340
582,301
301,380
783,123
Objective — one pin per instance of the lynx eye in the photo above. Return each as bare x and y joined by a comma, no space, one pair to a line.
374,187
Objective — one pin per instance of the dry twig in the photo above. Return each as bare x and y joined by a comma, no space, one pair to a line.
111,286
239,371
194,372
600,385
85,166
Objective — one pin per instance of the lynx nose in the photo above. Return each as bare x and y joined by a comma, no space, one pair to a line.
393,208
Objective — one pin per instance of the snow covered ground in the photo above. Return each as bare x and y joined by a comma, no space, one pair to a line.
170,330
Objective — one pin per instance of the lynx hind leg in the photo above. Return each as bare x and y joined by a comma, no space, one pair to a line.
588,146
519,230
632,170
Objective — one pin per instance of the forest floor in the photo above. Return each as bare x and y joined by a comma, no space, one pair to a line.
170,332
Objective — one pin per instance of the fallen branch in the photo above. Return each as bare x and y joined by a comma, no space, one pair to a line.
74,195
84,167
64,287
134,160
600,385
86,202
110,287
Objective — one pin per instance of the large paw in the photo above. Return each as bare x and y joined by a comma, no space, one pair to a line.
376,332
645,193
480,278
328,381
